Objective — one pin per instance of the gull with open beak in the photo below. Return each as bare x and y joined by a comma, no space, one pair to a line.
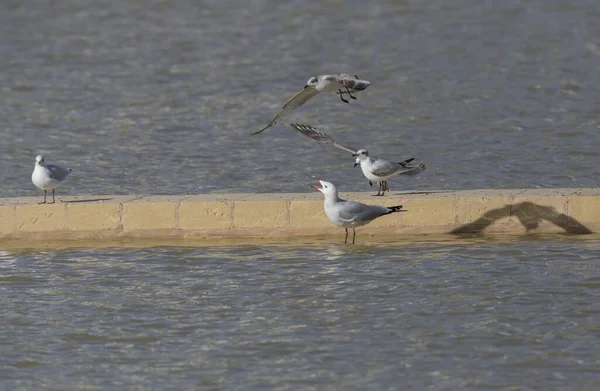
374,169
350,214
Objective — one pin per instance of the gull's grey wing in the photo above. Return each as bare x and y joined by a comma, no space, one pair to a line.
384,168
324,138
295,101
351,211
58,173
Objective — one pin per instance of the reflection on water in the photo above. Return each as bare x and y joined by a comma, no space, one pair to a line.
483,314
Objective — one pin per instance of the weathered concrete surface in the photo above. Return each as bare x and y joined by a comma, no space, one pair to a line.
515,211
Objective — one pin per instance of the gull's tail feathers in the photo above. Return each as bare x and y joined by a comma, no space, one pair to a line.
414,170
405,162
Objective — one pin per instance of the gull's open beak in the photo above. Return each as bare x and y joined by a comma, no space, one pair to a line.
356,164
354,154
317,187
306,86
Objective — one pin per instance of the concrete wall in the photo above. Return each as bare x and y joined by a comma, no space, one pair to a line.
275,216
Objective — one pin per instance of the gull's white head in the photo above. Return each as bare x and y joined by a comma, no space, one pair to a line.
312,81
39,160
327,188
361,154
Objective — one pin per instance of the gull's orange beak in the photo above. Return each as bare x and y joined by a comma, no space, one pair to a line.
317,187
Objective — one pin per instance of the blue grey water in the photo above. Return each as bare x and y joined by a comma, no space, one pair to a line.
474,315
159,97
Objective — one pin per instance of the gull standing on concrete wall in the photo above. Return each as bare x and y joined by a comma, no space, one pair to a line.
340,84
350,214
374,169
48,176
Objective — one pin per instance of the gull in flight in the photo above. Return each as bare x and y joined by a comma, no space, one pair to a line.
48,176
374,169
341,84
350,214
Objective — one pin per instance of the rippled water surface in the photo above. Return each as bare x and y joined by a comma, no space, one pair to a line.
159,96
480,315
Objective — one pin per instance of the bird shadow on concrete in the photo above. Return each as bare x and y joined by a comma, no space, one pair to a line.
529,214
423,192
86,200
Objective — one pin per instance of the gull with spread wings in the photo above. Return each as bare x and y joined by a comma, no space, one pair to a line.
374,169
341,84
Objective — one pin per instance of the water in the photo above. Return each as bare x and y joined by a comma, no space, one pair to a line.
159,96
440,315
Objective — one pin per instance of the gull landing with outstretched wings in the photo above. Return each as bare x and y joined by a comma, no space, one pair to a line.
341,84
374,169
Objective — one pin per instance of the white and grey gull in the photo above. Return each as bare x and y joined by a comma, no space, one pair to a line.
374,169
350,214
341,84
48,176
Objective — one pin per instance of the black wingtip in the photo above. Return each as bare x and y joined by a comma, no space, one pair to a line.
397,208
260,131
